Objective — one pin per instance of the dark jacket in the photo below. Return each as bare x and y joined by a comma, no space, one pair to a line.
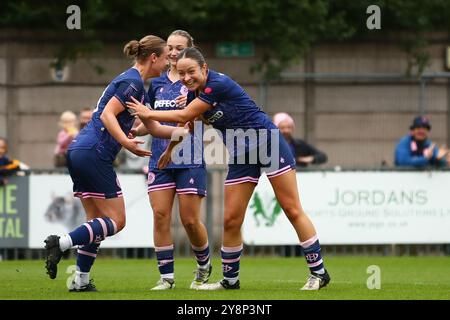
303,149
7,167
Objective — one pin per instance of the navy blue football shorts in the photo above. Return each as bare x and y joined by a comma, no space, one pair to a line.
183,180
92,177
272,157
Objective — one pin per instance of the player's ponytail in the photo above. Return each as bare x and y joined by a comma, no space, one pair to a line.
142,49
131,49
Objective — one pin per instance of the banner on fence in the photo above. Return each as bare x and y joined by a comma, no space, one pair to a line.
357,208
54,210
14,213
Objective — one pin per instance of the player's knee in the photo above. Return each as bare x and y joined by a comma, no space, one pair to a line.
232,222
190,224
292,211
161,217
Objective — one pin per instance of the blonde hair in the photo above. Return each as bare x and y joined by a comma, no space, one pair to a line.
66,117
185,34
142,49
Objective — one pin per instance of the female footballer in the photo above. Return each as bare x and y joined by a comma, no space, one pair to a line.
222,103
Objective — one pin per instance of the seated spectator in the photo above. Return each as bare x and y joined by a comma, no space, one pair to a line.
68,125
303,152
85,117
8,166
417,150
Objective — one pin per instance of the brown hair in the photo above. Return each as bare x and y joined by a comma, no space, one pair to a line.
190,40
143,48
194,54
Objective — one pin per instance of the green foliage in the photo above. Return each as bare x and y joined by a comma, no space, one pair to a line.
284,30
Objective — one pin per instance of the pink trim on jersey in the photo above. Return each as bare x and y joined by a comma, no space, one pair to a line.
87,253
309,242
242,178
93,195
231,260
158,189
161,185
104,227
315,264
187,189
91,232
233,249
194,191
158,249
188,192
200,248
242,181
279,171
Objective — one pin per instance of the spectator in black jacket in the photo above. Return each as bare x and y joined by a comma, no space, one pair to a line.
7,166
303,152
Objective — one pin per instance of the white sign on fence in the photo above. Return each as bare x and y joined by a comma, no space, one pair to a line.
54,210
357,208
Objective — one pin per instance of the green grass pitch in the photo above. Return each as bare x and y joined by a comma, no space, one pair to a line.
261,279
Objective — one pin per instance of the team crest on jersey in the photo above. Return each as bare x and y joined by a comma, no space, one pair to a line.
184,90
151,177
208,90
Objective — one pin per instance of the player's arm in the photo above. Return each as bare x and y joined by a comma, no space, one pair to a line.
162,131
109,119
182,131
139,131
193,110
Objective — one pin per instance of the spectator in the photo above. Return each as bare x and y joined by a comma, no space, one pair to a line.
417,150
68,125
303,152
7,166
85,117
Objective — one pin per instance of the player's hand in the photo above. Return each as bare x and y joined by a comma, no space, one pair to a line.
190,125
132,145
164,160
428,152
133,133
181,101
137,109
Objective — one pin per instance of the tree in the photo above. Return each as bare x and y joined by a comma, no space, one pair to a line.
284,29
